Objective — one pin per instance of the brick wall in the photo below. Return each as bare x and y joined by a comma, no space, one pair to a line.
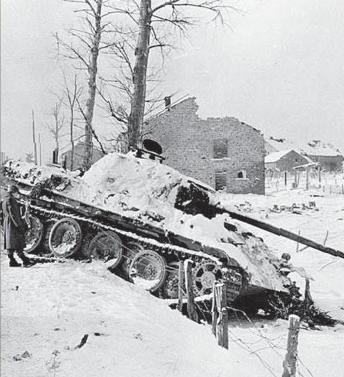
187,142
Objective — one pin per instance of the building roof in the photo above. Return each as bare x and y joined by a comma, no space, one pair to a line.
276,156
312,148
318,148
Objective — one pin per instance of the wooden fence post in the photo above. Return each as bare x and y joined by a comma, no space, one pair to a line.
307,178
214,313
220,315
308,301
192,314
289,363
180,285
222,329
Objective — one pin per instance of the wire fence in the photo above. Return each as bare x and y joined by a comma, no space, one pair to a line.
275,344
327,183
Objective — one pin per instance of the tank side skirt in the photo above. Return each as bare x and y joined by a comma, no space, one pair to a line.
165,247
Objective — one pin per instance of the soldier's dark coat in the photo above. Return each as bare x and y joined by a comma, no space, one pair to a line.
14,226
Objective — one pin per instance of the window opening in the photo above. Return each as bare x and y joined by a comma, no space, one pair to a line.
220,148
220,180
241,174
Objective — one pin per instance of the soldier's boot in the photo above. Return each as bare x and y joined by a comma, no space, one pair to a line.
13,262
27,262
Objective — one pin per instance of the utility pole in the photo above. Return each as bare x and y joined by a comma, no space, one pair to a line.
34,138
40,149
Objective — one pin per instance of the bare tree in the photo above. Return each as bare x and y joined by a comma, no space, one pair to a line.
149,32
170,12
55,127
89,45
73,94
131,43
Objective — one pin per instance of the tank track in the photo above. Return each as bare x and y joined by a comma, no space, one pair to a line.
231,277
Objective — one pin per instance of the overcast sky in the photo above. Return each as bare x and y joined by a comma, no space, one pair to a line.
280,68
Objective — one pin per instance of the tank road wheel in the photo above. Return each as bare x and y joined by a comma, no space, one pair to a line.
65,238
34,235
129,252
170,287
148,270
204,275
106,245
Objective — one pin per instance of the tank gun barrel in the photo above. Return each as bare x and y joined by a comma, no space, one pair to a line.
282,232
199,200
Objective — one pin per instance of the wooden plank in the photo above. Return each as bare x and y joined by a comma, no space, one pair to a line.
180,285
222,314
214,313
191,309
289,364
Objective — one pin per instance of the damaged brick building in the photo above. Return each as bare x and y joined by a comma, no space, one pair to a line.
224,153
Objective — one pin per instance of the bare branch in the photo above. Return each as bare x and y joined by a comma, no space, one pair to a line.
92,129
164,5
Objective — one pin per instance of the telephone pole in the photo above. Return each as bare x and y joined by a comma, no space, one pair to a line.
40,149
34,138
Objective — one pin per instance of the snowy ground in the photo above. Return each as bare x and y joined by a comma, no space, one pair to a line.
46,310
327,286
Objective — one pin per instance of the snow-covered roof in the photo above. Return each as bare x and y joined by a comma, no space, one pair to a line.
280,144
312,148
318,148
275,156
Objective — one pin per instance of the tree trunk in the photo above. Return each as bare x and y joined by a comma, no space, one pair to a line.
71,139
135,119
92,70
57,137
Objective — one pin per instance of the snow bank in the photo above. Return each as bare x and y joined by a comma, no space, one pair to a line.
48,309
138,335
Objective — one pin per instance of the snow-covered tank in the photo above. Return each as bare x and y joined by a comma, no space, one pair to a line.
143,218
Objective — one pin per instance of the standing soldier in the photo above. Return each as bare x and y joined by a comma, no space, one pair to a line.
14,228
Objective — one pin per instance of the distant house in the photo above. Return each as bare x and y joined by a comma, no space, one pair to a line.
329,157
224,153
79,150
285,160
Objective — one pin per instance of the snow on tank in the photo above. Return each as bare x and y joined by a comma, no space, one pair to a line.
147,190
151,192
